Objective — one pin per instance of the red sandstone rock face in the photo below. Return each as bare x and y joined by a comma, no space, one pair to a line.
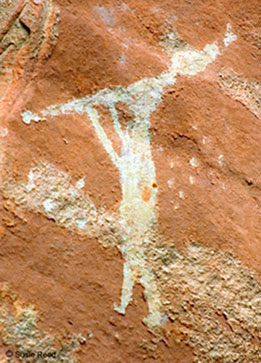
167,206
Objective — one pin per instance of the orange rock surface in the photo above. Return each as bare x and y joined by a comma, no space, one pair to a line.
130,209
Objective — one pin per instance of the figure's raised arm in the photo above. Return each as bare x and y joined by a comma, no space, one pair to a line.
190,61
116,122
81,106
77,106
106,142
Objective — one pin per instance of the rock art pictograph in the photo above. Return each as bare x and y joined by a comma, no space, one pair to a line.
138,212
128,144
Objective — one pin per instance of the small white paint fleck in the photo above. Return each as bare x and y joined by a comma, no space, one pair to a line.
28,116
164,319
106,15
176,207
193,162
181,194
122,59
30,186
171,165
81,223
170,183
80,183
204,140
48,205
230,37
90,335
194,127
220,160
191,179
3,132
124,7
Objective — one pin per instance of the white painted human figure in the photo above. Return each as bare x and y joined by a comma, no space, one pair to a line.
138,215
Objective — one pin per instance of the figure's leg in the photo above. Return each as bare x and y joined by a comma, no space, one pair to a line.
126,293
153,298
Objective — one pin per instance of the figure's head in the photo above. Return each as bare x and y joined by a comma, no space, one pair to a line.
189,61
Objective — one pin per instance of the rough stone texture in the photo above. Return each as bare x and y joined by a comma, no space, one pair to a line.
19,329
130,180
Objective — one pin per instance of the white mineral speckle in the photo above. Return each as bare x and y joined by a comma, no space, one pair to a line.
193,162
81,223
122,59
191,179
30,186
230,37
3,132
170,183
164,319
48,205
181,194
80,183
220,160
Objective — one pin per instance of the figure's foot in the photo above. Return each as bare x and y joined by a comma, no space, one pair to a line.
152,320
126,291
120,309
